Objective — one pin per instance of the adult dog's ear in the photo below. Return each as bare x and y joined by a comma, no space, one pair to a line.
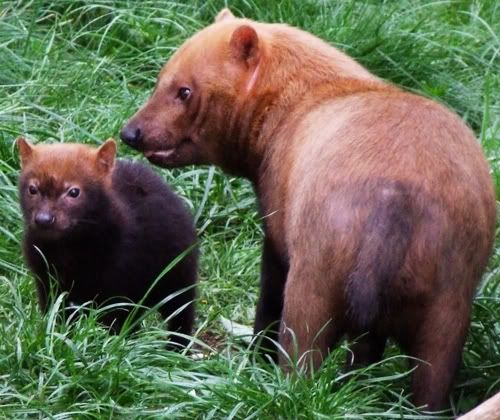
224,14
245,45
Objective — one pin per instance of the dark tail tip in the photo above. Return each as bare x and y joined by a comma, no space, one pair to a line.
364,299
386,238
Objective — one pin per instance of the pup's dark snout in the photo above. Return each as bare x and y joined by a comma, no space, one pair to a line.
44,219
132,134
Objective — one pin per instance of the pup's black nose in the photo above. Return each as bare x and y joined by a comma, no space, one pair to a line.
44,219
132,134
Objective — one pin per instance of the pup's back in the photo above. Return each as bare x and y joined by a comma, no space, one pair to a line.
159,228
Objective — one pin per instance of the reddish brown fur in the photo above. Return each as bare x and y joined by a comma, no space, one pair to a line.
378,206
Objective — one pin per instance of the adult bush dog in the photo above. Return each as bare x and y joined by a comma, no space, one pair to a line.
378,203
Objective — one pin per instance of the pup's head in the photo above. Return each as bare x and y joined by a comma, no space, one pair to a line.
192,106
61,185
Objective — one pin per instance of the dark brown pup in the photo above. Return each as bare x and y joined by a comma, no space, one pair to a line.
378,206
105,231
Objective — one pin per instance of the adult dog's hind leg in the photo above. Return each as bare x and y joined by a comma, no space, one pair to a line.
438,343
309,327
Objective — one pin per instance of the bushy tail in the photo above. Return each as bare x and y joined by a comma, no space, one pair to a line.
385,243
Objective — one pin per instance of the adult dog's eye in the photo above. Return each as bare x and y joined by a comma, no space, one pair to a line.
32,190
74,192
184,93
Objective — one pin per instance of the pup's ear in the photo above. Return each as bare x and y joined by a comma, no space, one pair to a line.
26,150
105,159
224,14
245,44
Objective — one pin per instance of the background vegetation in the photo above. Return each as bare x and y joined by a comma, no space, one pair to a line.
76,70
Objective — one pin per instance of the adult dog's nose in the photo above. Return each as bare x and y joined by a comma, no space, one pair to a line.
132,134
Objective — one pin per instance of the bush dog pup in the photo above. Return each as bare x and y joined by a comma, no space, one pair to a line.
378,206
105,230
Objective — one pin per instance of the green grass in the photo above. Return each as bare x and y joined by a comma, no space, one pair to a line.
76,70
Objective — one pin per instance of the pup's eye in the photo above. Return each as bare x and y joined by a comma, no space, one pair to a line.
74,192
184,93
32,190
